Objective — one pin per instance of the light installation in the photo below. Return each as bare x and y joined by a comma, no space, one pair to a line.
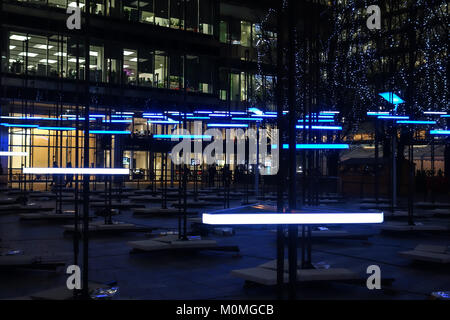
291,218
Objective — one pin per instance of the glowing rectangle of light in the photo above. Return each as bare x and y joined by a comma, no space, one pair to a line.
81,171
57,128
434,112
393,117
248,119
291,218
197,118
319,120
320,127
19,125
442,132
181,136
13,153
319,146
227,125
377,113
415,122
109,132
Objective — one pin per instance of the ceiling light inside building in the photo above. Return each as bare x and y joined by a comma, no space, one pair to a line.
19,38
29,54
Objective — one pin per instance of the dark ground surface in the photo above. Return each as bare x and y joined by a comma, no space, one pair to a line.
206,274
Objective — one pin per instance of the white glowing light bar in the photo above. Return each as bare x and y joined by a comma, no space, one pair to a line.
434,112
291,218
13,153
94,171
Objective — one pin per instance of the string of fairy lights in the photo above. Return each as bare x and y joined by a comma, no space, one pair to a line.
352,56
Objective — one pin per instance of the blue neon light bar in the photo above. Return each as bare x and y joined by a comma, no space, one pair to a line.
320,127
117,121
57,128
197,118
227,125
445,116
218,115
163,121
203,111
392,97
415,122
109,132
320,146
248,119
153,117
394,117
238,112
12,125
377,113
264,115
328,112
440,132
181,136
318,120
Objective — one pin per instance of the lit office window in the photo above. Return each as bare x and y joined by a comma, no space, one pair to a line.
176,72
147,11
160,80
130,64
191,15
74,50
223,36
192,73
97,7
206,75
18,46
96,63
206,17
246,33
131,10
176,14
146,67
162,13
234,86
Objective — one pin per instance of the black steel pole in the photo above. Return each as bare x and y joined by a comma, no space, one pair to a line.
281,173
293,229
86,178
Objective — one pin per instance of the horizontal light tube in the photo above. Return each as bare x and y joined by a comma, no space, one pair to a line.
181,136
415,122
109,132
443,132
393,117
227,125
320,127
291,218
93,171
13,153
318,146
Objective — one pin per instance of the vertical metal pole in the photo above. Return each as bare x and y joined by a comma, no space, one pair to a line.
281,172
293,229
86,178
394,168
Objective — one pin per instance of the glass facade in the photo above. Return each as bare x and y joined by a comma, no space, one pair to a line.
190,15
56,56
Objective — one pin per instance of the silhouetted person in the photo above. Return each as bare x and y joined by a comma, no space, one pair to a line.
212,175
54,176
69,177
